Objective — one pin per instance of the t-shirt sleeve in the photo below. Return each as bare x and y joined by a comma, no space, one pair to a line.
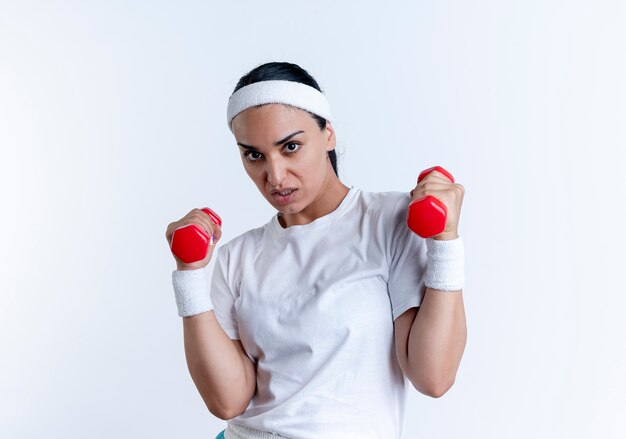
407,261
222,294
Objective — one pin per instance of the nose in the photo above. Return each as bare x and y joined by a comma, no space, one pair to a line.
276,171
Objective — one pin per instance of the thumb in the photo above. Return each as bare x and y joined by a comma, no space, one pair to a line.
217,234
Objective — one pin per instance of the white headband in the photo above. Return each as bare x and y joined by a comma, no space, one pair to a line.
277,92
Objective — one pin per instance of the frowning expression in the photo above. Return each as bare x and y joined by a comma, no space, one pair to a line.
282,148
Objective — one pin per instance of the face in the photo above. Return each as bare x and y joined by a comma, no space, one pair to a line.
289,152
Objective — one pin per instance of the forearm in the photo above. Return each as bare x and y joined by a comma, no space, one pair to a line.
437,341
215,365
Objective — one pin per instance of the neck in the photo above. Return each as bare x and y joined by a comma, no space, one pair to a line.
328,199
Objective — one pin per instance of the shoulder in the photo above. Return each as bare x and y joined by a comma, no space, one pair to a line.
231,255
386,205
240,242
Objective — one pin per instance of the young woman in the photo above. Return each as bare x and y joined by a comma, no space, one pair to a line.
311,328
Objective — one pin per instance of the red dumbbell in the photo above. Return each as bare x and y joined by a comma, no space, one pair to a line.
190,243
427,215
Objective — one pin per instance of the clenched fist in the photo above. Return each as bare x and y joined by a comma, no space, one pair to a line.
438,185
203,220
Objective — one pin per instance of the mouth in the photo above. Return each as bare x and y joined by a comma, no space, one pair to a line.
285,196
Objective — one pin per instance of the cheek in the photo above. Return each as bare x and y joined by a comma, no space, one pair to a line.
321,159
315,157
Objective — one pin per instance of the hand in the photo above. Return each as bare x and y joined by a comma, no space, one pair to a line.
449,193
200,219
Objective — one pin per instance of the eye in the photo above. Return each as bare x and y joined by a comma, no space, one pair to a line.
247,155
292,143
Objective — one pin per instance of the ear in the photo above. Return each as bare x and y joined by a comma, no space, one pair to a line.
331,142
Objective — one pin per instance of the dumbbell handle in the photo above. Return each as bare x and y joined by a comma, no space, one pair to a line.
427,215
190,243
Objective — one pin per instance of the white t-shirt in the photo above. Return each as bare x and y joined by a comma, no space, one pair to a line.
313,306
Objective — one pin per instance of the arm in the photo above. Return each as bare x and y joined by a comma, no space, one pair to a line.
220,368
430,343
432,340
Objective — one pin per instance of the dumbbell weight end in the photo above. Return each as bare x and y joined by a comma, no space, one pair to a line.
426,216
190,243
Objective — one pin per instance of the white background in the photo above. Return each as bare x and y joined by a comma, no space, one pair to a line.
112,125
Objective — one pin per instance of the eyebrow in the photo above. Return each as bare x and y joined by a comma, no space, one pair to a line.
278,143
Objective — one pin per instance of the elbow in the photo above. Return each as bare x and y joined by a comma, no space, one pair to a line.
221,409
224,414
439,391
433,388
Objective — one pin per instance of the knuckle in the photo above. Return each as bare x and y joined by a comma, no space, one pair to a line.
438,174
426,179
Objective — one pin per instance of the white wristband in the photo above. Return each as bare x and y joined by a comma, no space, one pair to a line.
191,291
445,268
